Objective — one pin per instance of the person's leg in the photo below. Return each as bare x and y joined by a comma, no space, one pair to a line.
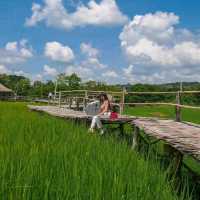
95,122
98,122
105,115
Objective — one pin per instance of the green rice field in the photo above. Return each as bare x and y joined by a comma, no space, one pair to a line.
190,115
42,157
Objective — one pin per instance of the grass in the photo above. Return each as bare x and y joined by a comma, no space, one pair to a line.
42,157
189,115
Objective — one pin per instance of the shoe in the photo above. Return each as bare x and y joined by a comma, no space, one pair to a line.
91,130
102,131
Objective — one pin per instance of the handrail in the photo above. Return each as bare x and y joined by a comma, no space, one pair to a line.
160,103
151,92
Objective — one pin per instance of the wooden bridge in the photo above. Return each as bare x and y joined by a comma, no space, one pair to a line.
182,136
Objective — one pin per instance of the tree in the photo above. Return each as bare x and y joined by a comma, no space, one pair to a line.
70,82
74,81
23,87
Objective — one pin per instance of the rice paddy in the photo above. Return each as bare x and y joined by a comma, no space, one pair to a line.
42,157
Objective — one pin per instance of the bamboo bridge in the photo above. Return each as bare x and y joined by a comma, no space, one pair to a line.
183,138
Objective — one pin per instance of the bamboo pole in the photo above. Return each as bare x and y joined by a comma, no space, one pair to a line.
177,107
60,99
151,92
122,101
151,103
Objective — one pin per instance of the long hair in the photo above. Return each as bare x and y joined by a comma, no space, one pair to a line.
105,97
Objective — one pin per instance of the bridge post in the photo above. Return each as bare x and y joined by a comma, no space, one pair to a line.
70,102
122,101
136,138
59,99
85,99
175,160
77,103
178,108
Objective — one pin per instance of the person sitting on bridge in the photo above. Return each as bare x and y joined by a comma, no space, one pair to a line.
104,111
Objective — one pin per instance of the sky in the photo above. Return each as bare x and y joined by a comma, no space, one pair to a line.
116,41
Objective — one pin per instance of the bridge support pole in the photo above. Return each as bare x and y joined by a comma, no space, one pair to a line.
136,138
59,99
178,108
70,102
77,103
175,161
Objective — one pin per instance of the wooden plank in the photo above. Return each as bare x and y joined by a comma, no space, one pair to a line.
182,136
69,113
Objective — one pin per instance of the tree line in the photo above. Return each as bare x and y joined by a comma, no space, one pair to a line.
23,86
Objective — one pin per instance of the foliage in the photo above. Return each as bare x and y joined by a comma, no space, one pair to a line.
22,86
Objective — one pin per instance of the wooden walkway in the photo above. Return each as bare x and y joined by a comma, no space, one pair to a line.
72,114
82,116
184,137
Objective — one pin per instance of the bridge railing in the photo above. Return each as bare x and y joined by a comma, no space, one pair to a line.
82,97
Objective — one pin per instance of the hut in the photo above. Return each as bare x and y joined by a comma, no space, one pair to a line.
5,93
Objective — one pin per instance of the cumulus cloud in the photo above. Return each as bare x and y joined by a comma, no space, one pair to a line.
92,57
50,71
155,45
53,13
4,70
15,52
88,50
21,73
129,73
84,72
91,68
110,74
38,77
58,52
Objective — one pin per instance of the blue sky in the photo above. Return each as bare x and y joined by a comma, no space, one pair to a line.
141,59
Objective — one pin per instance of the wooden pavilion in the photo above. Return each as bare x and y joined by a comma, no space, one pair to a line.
5,93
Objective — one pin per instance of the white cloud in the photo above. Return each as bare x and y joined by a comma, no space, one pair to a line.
38,77
84,72
4,70
53,13
50,71
20,73
155,46
92,54
15,52
129,73
93,63
11,46
88,50
58,52
110,74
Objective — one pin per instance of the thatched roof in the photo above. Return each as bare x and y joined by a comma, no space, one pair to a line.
4,89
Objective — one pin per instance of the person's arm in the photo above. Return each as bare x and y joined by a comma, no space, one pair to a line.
105,108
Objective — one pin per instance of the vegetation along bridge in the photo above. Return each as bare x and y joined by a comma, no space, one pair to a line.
181,138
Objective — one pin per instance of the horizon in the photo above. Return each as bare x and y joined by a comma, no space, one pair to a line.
112,41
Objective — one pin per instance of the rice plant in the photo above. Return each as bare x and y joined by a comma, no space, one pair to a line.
42,157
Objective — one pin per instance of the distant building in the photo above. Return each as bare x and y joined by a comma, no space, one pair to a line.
5,93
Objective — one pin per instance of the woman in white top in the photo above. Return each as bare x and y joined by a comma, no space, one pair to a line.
104,111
